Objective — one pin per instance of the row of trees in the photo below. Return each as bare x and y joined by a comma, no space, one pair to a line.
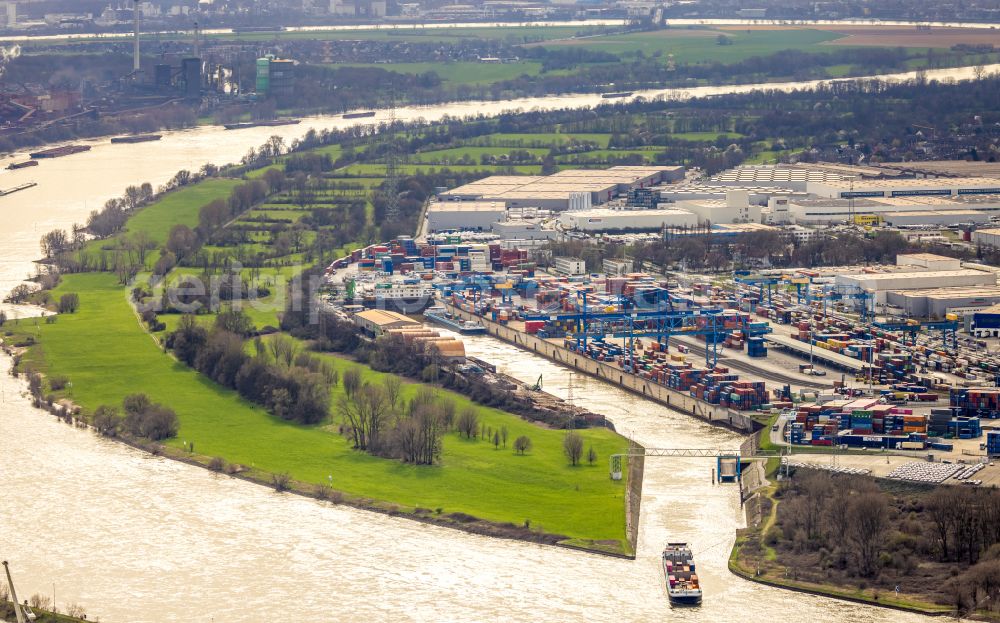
379,421
290,383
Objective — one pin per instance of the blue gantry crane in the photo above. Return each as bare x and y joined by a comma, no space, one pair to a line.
863,302
913,327
651,315
770,282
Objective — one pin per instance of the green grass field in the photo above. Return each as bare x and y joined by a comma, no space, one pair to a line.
699,45
179,207
460,72
541,140
106,355
456,153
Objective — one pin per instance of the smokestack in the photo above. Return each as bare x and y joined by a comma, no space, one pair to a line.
135,23
196,44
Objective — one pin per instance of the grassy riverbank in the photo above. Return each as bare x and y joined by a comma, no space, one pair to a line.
105,354
41,616
102,353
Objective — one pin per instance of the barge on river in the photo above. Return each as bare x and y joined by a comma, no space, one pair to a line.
254,124
137,138
359,115
442,317
58,152
21,165
24,186
683,587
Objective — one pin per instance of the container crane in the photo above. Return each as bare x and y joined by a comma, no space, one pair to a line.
23,612
656,319
863,300
913,327
770,281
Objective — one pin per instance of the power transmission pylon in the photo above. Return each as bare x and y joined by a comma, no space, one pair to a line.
390,187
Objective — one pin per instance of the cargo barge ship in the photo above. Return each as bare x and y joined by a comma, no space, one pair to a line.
21,165
616,95
239,30
466,327
405,298
683,587
254,124
58,152
137,138
359,115
11,191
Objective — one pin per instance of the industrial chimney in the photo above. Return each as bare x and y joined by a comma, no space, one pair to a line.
135,23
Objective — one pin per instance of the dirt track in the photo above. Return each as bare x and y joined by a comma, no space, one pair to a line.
891,36
909,37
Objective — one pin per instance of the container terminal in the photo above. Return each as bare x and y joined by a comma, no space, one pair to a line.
894,358
736,352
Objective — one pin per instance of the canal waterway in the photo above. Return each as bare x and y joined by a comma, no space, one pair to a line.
140,538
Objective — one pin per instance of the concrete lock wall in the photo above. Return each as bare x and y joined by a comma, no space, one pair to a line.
611,373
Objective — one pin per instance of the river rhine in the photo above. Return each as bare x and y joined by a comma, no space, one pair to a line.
139,538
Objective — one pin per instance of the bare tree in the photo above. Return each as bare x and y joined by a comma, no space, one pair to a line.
352,381
393,389
366,412
591,455
573,447
522,444
868,521
283,350
504,433
468,422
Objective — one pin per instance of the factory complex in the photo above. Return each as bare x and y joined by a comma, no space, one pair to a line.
654,198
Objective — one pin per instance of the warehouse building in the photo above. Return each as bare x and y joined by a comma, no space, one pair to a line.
569,266
911,218
928,261
464,215
880,284
487,186
986,323
701,191
939,187
735,208
375,322
780,176
938,302
572,189
521,229
603,219
960,209
986,237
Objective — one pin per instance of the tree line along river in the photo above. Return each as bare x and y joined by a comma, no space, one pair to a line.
139,538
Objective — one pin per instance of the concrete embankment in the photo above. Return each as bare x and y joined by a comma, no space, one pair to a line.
611,373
